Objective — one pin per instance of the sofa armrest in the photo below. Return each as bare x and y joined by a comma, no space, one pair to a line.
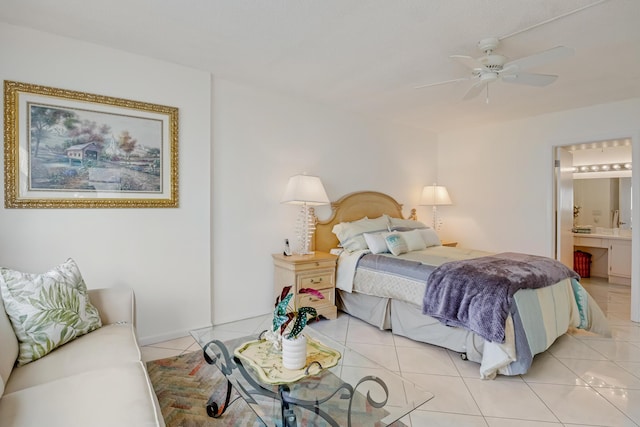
114,304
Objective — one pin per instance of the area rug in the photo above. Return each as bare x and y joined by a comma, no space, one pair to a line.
183,385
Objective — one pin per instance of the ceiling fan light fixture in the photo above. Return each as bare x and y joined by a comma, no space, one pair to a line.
489,77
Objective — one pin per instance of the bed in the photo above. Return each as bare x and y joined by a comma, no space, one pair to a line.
393,290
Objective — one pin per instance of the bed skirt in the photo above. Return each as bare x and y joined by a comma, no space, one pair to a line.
373,310
407,320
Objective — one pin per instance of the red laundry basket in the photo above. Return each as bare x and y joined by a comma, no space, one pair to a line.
582,263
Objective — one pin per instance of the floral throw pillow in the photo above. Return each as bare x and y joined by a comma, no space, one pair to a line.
47,310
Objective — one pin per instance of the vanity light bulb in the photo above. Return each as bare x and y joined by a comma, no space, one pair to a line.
627,165
584,168
605,167
616,167
595,168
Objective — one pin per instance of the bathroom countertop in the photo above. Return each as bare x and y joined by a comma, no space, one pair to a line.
623,236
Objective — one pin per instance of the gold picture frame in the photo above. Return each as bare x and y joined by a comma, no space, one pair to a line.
69,149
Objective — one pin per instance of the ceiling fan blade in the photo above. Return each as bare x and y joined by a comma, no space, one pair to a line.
538,59
442,83
530,79
475,90
468,61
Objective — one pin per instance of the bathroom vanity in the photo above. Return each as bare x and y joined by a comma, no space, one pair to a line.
611,253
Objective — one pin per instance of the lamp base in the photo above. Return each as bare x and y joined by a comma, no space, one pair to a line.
437,221
305,227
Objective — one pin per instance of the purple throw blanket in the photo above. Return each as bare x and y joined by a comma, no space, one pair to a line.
477,294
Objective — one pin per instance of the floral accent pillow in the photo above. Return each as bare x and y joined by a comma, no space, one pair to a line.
47,310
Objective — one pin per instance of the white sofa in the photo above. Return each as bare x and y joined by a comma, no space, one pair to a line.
95,380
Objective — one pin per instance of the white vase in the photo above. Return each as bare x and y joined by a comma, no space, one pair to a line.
294,352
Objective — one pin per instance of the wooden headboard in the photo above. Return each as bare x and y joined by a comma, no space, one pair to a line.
352,207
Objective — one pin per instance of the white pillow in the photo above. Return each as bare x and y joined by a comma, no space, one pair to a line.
414,240
356,243
376,242
396,244
396,223
350,233
47,310
430,237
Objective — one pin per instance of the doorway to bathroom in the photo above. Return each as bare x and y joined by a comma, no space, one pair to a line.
594,208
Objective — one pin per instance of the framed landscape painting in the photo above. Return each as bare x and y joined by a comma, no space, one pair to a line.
68,149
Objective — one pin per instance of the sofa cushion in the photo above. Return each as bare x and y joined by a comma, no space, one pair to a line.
108,346
47,310
115,396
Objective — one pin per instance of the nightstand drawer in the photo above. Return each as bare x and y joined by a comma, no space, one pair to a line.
309,300
319,280
315,265
315,271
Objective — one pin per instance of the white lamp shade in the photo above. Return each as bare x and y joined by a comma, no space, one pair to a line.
435,195
305,190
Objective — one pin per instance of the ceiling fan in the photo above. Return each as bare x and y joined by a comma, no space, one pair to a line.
492,67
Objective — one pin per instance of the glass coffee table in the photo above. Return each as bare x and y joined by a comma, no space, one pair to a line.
355,391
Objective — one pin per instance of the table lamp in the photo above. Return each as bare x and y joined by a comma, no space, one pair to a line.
306,191
435,195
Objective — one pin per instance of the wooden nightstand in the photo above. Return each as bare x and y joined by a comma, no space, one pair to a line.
450,244
316,271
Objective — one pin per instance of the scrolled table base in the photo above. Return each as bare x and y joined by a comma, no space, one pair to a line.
227,364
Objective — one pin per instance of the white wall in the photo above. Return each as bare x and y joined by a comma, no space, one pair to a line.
501,176
210,259
259,140
163,254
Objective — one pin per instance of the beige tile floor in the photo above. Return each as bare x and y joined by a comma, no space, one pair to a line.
579,381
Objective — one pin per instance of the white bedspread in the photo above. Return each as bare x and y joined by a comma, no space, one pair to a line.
434,255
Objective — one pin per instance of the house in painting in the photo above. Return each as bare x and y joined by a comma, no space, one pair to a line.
82,152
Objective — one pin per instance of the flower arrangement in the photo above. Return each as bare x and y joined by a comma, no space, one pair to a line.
283,316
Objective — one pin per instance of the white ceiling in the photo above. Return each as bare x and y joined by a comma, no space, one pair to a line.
368,55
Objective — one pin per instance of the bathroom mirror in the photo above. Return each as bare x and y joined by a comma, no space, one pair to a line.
603,202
